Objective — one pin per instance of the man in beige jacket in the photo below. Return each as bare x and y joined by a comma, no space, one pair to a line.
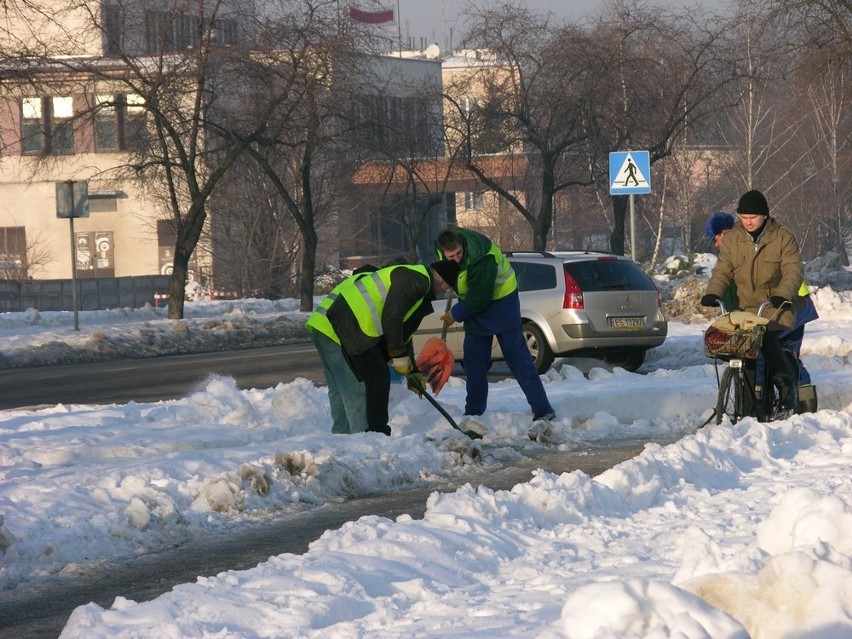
761,257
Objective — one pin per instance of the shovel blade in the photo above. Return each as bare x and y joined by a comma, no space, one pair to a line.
436,362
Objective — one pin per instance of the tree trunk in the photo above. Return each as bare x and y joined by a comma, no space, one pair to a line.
542,224
177,284
619,213
309,262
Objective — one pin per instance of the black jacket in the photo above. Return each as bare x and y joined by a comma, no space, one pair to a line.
407,288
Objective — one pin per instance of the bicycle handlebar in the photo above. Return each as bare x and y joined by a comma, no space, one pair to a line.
760,309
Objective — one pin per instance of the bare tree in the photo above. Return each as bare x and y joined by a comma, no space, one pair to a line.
789,131
183,62
523,110
201,72
255,240
299,152
666,74
818,42
830,92
397,133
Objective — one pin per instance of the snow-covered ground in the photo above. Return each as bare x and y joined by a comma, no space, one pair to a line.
733,531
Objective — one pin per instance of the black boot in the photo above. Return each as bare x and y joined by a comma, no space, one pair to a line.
385,430
788,391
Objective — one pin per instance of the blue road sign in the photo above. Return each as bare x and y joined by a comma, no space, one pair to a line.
629,172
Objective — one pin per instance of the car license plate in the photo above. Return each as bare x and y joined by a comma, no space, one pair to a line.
627,323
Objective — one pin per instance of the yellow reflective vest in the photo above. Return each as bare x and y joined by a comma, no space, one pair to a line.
504,283
366,297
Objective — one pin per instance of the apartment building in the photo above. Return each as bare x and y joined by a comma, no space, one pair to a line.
61,124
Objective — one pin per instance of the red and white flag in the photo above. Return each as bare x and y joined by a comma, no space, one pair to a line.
371,17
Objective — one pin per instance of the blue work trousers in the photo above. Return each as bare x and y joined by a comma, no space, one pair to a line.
477,361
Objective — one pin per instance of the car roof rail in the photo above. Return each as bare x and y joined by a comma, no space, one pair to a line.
542,253
556,254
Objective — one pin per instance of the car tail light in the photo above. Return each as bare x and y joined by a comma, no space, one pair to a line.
573,293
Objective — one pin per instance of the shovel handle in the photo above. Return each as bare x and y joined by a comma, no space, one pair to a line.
444,326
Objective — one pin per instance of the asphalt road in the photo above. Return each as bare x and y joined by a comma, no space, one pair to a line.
173,376
154,379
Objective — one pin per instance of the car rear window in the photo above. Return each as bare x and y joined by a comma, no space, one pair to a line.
609,275
534,277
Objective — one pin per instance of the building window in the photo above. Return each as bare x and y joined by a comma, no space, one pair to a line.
395,125
113,26
167,32
47,125
63,125
474,200
119,122
166,240
224,31
32,125
13,253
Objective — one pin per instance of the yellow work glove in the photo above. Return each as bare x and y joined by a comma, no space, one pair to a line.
403,365
416,384
447,319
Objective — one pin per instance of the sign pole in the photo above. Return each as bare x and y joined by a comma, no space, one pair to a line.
629,174
72,200
632,230
74,275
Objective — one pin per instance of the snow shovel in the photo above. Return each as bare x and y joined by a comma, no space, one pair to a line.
435,360
422,392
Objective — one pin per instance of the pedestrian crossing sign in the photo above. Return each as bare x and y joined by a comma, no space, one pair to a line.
629,172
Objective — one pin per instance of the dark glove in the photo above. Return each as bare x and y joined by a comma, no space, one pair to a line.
777,301
416,384
710,300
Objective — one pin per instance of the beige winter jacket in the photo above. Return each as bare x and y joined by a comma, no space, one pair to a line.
772,265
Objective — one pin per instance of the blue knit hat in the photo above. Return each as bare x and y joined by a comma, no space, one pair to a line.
718,222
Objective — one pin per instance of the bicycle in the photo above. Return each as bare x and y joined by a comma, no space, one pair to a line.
745,386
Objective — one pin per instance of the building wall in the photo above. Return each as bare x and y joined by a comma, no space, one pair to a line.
48,23
121,218
119,214
120,236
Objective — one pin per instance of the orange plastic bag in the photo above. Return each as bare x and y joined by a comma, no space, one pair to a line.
435,362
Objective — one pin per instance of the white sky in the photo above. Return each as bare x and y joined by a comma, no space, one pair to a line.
732,532
433,19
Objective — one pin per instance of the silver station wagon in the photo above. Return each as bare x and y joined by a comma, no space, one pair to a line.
575,304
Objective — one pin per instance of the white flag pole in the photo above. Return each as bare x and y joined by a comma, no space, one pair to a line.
399,27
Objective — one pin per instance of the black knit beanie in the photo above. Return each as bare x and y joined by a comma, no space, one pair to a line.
448,270
753,203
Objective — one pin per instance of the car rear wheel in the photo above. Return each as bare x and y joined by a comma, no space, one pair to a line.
630,359
539,348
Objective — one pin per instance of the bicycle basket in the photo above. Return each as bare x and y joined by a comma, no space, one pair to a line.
742,343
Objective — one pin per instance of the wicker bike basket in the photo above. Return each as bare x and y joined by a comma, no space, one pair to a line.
737,342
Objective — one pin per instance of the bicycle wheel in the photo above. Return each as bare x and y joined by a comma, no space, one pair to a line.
729,401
